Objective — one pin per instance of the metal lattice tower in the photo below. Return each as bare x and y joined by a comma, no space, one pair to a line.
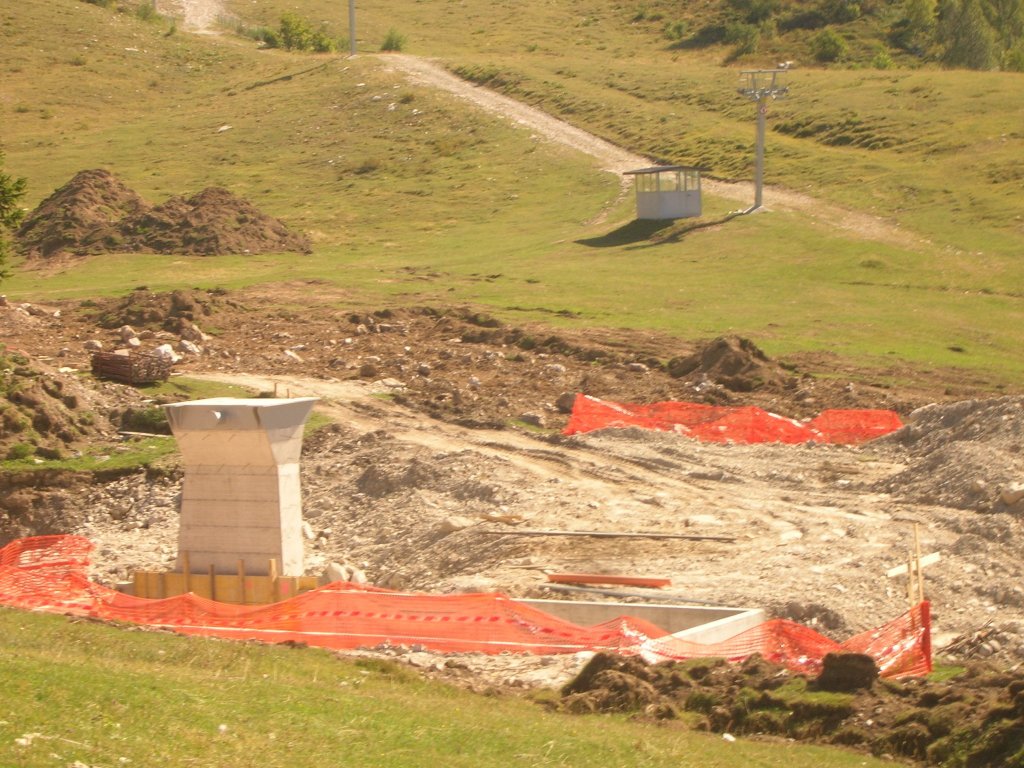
760,85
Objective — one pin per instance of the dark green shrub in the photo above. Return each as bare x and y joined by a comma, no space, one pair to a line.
296,34
840,11
882,59
322,43
394,41
676,30
755,11
152,420
745,39
20,451
1013,59
146,11
828,45
269,37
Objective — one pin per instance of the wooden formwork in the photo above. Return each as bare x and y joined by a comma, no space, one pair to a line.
239,588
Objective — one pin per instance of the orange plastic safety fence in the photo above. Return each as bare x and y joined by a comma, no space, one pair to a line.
901,648
745,424
48,574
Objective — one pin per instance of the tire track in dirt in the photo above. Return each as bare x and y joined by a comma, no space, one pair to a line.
627,482
349,403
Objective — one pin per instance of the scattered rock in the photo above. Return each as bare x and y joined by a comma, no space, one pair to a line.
1012,494
190,348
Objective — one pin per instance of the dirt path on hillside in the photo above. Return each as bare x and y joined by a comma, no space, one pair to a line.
201,16
198,16
615,159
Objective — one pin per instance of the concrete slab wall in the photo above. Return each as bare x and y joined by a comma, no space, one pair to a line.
699,624
241,498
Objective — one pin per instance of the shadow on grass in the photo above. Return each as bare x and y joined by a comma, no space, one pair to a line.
635,231
646,233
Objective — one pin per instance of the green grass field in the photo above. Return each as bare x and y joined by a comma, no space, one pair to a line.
413,197
103,696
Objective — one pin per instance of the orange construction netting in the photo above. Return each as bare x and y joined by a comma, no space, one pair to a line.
722,424
48,573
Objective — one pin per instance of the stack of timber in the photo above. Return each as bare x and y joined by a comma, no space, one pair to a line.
133,368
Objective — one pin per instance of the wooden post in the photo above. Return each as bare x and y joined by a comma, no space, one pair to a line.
213,583
163,585
272,572
241,582
910,578
186,568
920,570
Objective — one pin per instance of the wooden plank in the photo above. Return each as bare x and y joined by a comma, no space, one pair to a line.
672,599
225,588
920,568
901,570
607,578
606,535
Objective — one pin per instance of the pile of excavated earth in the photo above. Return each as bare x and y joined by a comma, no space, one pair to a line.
95,212
445,443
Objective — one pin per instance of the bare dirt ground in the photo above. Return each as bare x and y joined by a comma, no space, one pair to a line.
200,16
432,445
433,465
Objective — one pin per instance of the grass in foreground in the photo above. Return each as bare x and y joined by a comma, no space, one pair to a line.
80,691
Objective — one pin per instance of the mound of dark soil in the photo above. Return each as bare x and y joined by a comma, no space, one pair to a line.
212,222
82,217
732,362
96,212
144,309
978,719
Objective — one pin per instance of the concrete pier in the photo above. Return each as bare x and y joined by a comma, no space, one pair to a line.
241,498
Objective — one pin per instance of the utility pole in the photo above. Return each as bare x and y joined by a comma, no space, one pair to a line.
760,85
351,27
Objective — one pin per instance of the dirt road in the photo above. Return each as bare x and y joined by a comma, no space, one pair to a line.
617,160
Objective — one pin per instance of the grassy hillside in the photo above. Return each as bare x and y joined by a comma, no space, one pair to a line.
96,695
413,197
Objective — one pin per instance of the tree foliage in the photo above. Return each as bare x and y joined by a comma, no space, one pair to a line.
297,34
828,45
964,35
969,34
11,191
